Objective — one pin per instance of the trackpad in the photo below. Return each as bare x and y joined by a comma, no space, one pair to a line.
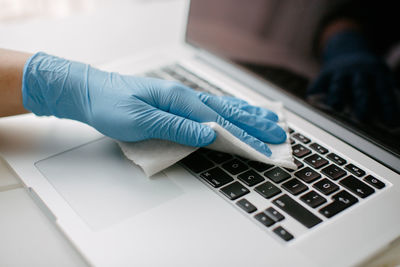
102,186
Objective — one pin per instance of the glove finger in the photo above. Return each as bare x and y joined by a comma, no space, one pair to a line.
166,126
263,129
233,100
186,104
243,105
184,131
244,136
262,112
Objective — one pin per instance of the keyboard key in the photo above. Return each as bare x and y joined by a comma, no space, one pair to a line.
301,138
281,232
235,166
218,157
267,190
259,166
297,211
300,151
334,172
313,199
291,141
320,149
326,187
307,174
355,170
242,159
216,177
298,163
356,186
203,151
335,158
264,219
246,205
274,214
294,186
250,178
374,182
234,190
197,163
290,130
316,161
277,175
342,201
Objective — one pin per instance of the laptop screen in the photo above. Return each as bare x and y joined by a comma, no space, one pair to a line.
332,55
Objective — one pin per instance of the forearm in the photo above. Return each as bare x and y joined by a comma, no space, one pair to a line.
11,72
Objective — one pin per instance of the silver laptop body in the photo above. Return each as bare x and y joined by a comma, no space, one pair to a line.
193,213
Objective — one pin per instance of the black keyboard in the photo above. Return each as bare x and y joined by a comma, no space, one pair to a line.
324,185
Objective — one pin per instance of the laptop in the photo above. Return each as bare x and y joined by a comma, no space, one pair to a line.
338,208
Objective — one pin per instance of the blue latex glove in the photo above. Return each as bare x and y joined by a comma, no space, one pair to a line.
354,79
130,108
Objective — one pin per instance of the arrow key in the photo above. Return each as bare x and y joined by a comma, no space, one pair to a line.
246,205
356,186
234,190
342,201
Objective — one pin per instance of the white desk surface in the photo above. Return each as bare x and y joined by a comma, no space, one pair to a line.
28,238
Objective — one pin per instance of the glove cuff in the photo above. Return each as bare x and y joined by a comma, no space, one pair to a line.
32,99
346,42
49,88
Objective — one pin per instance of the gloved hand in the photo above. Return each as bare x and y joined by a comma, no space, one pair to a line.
130,108
354,78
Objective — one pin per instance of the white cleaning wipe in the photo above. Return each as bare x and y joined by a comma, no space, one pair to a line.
156,155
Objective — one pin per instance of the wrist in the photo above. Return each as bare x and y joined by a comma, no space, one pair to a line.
11,69
55,86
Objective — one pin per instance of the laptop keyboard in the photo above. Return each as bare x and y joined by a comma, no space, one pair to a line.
324,185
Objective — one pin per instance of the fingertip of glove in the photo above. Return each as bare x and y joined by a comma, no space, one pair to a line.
207,136
277,135
265,150
273,117
281,135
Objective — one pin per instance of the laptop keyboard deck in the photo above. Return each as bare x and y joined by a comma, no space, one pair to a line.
324,185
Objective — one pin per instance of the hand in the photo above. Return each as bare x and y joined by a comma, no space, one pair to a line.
353,78
130,108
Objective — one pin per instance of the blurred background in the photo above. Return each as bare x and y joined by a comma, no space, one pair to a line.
91,31
24,10
19,10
